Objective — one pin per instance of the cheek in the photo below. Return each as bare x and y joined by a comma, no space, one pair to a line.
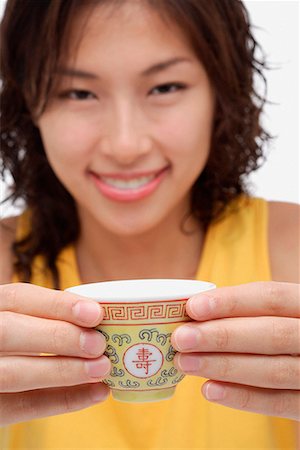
66,141
188,135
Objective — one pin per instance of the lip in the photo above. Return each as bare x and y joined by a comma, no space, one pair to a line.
129,195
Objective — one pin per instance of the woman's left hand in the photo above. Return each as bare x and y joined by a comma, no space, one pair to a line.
246,341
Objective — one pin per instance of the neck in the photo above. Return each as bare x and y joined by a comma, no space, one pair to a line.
164,252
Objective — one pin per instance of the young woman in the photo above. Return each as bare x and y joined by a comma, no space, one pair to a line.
129,128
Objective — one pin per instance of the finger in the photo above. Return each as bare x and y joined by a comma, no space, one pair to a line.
31,300
279,403
30,405
19,354
28,373
274,372
264,335
19,333
252,299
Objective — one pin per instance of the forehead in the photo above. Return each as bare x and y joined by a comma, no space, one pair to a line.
131,28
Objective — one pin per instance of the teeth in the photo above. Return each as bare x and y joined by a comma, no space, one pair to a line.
128,184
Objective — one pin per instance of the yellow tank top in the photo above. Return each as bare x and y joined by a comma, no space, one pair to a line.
235,252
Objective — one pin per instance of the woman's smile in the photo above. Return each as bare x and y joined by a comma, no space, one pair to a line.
127,188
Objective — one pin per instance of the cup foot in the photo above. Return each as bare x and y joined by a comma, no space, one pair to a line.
143,396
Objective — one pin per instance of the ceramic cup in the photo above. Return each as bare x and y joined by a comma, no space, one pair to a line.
140,316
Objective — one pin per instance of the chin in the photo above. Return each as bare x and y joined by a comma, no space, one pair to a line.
131,230
129,226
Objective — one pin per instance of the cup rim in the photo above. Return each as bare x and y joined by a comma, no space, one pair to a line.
129,291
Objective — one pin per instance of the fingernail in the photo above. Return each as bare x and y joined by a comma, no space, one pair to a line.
189,363
186,338
97,368
87,312
92,342
98,393
200,306
214,391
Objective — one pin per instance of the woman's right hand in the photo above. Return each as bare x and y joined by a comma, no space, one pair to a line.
35,320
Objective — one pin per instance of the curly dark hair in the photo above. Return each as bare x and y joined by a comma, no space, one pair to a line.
33,34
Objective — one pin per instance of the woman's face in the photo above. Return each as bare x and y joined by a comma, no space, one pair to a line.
128,129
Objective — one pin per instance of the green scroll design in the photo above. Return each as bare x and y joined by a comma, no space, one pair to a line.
117,372
160,381
177,379
109,383
171,353
169,373
129,384
149,335
111,354
120,338
104,334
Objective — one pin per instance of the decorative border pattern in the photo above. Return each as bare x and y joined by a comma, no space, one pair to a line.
168,310
141,371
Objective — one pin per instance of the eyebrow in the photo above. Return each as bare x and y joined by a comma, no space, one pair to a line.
150,71
164,65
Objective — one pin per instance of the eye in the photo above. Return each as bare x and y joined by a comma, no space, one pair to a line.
77,94
168,88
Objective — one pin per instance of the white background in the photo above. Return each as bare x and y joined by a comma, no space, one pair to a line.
276,29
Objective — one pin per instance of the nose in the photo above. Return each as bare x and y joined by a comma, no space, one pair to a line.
127,140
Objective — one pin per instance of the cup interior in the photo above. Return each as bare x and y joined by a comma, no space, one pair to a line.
141,289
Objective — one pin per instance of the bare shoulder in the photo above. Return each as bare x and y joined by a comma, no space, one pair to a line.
284,241
8,228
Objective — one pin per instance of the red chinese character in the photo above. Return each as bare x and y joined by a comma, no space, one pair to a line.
144,362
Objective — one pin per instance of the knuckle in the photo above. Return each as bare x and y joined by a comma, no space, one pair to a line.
63,368
3,413
280,374
221,338
3,332
56,304
10,410
26,406
281,336
60,336
69,404
54,310
231,305
282,403
271,291
6,319
8,379
244,398
225,367
216,302
8,295
296,372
